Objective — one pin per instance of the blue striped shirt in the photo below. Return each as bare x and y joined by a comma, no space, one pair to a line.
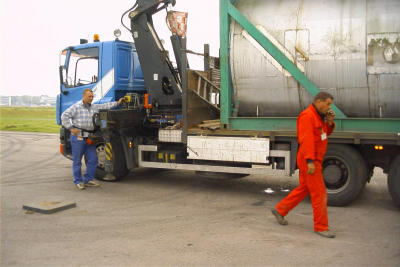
80,115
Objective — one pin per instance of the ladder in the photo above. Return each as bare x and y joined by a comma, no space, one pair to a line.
207,91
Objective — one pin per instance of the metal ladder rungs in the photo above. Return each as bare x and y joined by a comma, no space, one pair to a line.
206,91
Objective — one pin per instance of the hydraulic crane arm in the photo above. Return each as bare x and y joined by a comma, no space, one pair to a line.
161,79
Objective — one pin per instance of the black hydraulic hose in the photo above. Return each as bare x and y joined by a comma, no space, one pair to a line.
123,15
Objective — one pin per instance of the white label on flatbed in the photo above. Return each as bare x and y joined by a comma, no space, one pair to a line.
235,149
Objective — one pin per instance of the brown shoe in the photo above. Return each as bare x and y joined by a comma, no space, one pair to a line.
327,234
279,218
92,183
80,186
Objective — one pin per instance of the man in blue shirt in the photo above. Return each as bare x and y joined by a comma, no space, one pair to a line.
78,119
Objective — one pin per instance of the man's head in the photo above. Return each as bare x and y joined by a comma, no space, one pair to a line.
323,102
87,96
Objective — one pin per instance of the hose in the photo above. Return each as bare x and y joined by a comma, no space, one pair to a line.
123,15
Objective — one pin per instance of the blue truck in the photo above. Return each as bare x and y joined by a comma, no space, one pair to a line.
238,116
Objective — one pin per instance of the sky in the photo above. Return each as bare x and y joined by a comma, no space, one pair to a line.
33,33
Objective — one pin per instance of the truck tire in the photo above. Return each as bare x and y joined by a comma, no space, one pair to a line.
345,174
119,165
394,180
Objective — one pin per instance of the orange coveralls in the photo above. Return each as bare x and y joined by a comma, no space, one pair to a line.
312,134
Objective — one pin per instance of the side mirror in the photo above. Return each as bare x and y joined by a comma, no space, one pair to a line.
63,75
61,71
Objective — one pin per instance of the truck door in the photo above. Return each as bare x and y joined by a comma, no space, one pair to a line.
79,71
128,74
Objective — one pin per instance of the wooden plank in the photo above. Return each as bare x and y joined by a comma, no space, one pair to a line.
208,124
211,126
211,121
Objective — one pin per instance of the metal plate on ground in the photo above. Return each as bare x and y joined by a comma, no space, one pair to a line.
48,207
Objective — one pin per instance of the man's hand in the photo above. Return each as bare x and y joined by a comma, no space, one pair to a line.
330,116
121,100
310,167
74,131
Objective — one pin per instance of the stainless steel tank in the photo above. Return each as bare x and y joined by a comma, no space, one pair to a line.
349,48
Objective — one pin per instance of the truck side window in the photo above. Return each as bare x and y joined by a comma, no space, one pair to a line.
83,67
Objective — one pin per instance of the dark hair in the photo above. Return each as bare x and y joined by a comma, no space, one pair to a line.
322,96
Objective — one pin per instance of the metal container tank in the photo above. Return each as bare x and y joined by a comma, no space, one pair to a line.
349,48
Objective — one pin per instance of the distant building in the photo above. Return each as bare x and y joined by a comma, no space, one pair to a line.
30,101
5,100
47,100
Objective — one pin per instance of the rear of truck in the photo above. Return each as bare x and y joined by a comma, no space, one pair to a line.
270,71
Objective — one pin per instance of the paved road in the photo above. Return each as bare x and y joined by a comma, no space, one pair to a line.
159,218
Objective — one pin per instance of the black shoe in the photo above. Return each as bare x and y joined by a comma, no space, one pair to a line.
327,234
279,218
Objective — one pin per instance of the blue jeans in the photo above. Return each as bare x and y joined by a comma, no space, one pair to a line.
80,148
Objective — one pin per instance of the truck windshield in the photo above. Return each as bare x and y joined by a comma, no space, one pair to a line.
83,67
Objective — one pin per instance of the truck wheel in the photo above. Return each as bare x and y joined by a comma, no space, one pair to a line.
394,180
345,174
119,164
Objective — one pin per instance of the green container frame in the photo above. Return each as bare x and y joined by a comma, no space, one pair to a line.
229,12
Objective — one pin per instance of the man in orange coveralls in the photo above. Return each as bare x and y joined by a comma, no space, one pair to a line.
314,124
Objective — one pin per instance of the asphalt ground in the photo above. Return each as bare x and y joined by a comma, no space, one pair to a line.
169,217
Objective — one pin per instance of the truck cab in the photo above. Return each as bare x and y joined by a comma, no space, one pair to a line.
111,69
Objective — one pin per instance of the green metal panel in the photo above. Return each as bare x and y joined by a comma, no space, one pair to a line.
381,125
263,124
226,92
342,125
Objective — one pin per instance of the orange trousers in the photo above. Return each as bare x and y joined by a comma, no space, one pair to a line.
313,185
